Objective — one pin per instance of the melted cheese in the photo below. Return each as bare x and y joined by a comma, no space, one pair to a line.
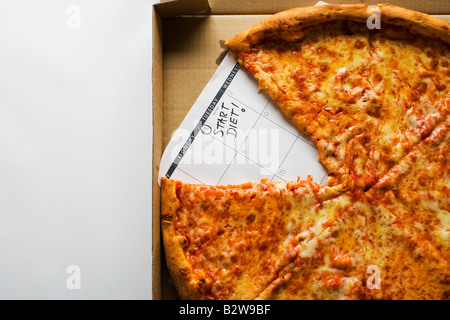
362,87
244,235
309,249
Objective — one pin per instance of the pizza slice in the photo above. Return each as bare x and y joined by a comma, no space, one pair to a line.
417,189
411,266
329,266
427,212
228,242
366,97
367,253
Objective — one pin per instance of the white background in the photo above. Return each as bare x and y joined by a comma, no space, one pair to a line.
75,148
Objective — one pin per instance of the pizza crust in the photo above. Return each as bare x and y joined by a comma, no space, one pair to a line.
188,287
288,24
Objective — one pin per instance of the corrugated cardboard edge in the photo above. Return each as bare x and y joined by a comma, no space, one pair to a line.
229,7
175,8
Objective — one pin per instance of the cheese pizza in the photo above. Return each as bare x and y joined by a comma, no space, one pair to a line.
376,103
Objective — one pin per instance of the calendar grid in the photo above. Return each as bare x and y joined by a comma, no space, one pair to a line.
260,141
298,136
236,151
281,164
184,171
260,114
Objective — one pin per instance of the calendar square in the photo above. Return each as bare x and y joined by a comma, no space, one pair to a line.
267,144
301,161
230,122
242,170
273,113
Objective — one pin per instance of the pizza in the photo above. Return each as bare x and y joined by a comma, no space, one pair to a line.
376,103
230,241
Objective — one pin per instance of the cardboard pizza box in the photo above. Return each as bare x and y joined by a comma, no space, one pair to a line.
188,40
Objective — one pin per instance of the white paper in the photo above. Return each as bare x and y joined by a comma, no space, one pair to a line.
235,133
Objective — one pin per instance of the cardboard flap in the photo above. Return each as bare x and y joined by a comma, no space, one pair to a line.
175,8
271,7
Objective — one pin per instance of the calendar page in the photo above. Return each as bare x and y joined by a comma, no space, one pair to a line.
235,133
